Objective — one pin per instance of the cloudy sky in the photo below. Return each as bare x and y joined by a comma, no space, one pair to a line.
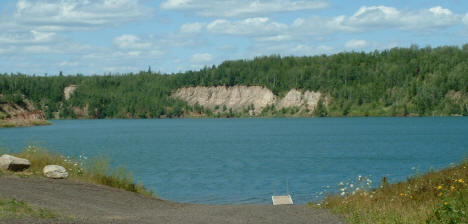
101,36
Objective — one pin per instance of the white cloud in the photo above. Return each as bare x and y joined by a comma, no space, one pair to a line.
290,48
128,41
233,8
355,44
190,28
32,37
465,19
201,58
42,36
257,26
438,10
374,16
39,49
364,19
388,17
53,15
279,37
68,64
7,50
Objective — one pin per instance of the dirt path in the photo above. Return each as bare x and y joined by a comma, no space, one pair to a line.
91,203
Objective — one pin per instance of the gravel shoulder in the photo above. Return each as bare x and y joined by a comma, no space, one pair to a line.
90,203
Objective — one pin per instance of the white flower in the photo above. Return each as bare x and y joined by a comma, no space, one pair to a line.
342,193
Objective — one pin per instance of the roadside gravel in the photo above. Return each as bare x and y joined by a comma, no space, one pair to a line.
90,203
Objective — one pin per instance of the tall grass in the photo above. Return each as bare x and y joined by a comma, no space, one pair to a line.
95,170
22,123
436,197
13,209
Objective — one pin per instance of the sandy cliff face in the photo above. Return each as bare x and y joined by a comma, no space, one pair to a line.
238,98
295,98
24,114
68,91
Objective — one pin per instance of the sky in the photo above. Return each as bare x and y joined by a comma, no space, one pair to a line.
118,36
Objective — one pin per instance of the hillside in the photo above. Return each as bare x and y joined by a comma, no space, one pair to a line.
15,111
396,82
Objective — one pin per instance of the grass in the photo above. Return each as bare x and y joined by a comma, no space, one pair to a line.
95,170
13,209
436,197
22,123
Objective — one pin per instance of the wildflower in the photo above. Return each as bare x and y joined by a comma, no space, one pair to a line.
411,196
352,185
460,181
342,193
439,187
452,188
445,203
340,184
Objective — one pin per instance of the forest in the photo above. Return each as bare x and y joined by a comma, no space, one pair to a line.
395,82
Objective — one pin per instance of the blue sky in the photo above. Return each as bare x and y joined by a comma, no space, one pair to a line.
102,36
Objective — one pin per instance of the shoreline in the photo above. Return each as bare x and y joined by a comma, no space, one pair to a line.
17,123
90,203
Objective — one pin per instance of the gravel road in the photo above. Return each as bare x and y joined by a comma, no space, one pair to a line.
89,203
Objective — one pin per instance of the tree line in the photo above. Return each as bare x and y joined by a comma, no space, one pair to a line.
395,82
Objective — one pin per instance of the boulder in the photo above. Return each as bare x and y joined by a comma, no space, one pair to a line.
55,172
8,162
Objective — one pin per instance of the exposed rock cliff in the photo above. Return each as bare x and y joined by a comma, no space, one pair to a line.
20,113
239,98
68,91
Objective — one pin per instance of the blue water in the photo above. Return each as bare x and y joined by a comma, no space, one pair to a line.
219,161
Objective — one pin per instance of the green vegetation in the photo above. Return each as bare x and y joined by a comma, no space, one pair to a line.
19,123
437,197
13,209
95,170
397,82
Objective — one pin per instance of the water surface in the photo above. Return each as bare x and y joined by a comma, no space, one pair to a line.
221,161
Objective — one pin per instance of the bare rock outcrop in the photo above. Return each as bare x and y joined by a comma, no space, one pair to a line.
236,97
69,90
295,98
254,98
19,114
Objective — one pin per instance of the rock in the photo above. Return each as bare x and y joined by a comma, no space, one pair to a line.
239,98
55,172
8,162
68,91
236,97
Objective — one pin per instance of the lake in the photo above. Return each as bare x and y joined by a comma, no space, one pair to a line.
236,161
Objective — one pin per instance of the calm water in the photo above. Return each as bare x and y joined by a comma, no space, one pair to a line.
247,160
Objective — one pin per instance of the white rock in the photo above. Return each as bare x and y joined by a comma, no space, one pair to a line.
8,162
55,171
239,98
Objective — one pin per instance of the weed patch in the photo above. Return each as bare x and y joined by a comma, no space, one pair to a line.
436,197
